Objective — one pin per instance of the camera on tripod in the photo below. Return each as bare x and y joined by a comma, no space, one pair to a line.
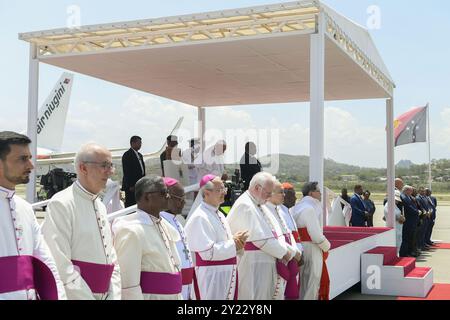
235,188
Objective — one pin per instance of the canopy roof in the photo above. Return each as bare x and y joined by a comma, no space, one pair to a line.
245,56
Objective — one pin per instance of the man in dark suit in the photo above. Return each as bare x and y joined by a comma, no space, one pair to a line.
433,204
249,164
133,169
408,247
359,210
422,200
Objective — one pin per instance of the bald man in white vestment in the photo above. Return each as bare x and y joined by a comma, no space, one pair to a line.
78,233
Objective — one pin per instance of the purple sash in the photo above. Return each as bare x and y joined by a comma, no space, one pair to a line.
26,273
96,276
199,262
292,286
161,283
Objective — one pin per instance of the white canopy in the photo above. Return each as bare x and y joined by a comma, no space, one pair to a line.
245,56
289,52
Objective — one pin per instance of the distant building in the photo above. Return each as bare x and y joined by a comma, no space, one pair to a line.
349,178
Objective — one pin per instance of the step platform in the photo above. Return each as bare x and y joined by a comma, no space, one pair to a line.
384,273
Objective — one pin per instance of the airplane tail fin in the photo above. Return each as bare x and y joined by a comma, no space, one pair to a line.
53,114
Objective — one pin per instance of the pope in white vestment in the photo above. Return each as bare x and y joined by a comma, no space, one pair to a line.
213,160
20,235
315,246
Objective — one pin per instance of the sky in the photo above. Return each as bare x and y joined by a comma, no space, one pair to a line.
411,38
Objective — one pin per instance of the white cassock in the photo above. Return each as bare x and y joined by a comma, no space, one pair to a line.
187,264
20,236
292,288
111,197
212,164
398,226
291,224
78,234
211,243
307,216
192,165
147,253
258,275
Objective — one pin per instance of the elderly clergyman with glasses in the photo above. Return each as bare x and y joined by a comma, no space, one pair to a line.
263,270
78,233
213,245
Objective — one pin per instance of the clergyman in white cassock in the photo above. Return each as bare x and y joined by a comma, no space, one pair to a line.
262,268
213,245
274,207
146,246
27,268
78,233
314,280
175,208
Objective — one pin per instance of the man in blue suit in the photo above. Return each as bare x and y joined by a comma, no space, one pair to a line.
408,247
359,210
422,200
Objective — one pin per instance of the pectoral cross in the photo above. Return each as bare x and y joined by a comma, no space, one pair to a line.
186,252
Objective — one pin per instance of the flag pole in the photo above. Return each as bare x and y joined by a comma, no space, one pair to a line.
429,146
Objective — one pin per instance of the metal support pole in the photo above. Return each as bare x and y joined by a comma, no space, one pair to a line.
33,97
390,162
317,97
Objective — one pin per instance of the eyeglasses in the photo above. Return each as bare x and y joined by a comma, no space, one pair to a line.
224,190
182,198
164,193
104,165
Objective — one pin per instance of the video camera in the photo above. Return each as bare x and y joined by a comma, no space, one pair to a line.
55,181
235,188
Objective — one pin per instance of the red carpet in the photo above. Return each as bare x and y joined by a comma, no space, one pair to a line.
439,291
441,246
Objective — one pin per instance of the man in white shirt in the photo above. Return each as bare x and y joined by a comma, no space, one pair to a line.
78,233
27,268
214,246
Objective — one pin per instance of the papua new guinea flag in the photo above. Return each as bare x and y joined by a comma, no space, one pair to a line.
411,127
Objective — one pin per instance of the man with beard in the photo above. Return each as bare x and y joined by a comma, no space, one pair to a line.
22,247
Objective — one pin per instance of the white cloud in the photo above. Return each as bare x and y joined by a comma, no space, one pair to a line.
347,141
